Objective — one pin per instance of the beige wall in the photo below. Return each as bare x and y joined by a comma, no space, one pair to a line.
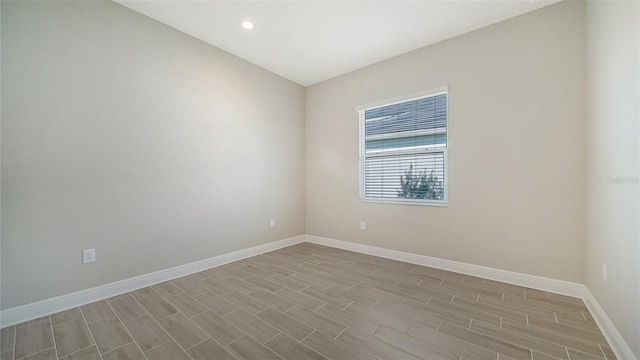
125,135
516,148
613,214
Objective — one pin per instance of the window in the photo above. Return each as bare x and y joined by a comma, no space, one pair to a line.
403,149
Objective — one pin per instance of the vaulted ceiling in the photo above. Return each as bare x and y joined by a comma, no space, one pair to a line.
311,41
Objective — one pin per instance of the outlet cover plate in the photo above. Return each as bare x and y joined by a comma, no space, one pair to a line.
88,256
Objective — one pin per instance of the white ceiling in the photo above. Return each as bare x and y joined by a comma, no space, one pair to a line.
311,41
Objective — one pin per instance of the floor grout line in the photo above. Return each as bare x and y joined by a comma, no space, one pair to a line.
157,346
91,332
15,337
191,347
125,328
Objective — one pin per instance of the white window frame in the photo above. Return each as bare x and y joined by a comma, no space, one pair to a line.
423,150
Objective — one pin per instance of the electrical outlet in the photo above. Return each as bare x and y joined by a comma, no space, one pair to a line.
604,272
88,256
363,225
273,223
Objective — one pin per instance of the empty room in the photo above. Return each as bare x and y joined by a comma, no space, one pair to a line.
329,180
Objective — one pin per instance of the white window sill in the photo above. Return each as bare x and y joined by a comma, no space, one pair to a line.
407,202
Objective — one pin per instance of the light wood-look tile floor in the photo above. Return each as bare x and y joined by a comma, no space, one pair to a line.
313,302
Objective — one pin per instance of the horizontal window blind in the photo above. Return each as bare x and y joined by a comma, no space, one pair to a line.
403,150
418,176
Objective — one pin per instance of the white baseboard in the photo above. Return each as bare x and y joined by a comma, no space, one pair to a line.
620,347
50,306
531,281
615,340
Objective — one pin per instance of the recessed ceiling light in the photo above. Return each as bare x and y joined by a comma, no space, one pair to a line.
247,25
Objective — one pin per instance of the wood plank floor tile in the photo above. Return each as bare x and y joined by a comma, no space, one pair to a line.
377,278
476,289
393,316
525,341
576,314
210,350
216,286
273,300
349,276
372,346
247,348
183,331
187,305
196,276
501,288
422,278
168,350
109,334
460,347
413,345
96,311
316,321
166,289
48,354
552,336
352,320
310,281
252,326
189,286
450,290
379,294
403,292
158,307
126,307
260,271
426,291
608,352
326,297
332,348
275,269
301,299
333,280
218,328
285,323
263,283
540,356
239,284
216,303
491,309
90,353
488,342
289,349
65,316
146,332
579,323
287,282
391,274
465,311
568,330
71,336
452,317
351,294
577,355
144,293
235,271
7,337
245,302
216,273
